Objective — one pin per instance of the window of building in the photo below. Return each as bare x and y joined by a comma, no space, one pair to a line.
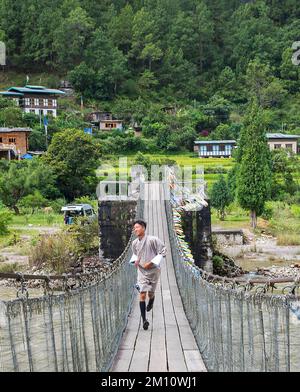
12,140
54,103
41,102
0,139
209,148
27,101
222,147
289,147
277,146
50,102
110,125
36,102
31,101
202,149
45,102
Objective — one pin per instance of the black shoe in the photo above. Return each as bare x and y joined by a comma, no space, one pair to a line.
145,325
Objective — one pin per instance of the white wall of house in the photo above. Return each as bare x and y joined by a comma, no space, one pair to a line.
283,143
45,111
110,125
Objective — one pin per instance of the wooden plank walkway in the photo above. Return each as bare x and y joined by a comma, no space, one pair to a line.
168,344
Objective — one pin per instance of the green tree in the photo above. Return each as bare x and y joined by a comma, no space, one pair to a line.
75,31
14,184
11,117
83,78
6,103
33,201
37,140
222,132
147,82
20,179
109,65
121,29
267,89
5,219
220,196
283,169
73,157
145,42
254,171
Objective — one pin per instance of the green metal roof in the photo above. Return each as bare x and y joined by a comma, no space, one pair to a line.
35,87
9,94
35,90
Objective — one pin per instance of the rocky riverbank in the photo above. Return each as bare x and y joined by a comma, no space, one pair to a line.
262,255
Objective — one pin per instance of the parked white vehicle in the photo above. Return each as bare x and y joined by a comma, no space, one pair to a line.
74,211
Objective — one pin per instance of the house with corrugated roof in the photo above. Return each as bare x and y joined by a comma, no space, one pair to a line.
14,142
224,148
214,148
280,140
39,100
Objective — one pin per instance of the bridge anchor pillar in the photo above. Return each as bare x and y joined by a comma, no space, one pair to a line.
197,230
115,225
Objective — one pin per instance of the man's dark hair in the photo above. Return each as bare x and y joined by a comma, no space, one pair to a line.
140,222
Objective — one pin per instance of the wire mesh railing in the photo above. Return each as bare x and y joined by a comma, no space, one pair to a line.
76,331
236,328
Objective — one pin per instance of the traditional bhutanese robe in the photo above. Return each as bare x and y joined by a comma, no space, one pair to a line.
148,249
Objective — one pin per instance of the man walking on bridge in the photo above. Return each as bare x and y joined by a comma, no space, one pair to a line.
148,252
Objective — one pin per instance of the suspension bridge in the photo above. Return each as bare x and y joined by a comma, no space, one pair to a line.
200,322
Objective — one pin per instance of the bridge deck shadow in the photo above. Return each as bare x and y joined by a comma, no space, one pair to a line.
168,344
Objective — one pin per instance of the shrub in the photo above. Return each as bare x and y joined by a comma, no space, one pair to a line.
50,219
267,213
13,239
55,252
86,236
7,268
62,251
215,170
5,219
57,204
218,262
288,239
295,210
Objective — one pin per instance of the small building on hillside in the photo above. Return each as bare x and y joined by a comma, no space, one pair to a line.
34,99
171,110
96,117
214,148
280,140
14,142
105,121
110,125
224,148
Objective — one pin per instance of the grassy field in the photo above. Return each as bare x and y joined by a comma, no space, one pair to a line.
37,219
29,226
183,159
